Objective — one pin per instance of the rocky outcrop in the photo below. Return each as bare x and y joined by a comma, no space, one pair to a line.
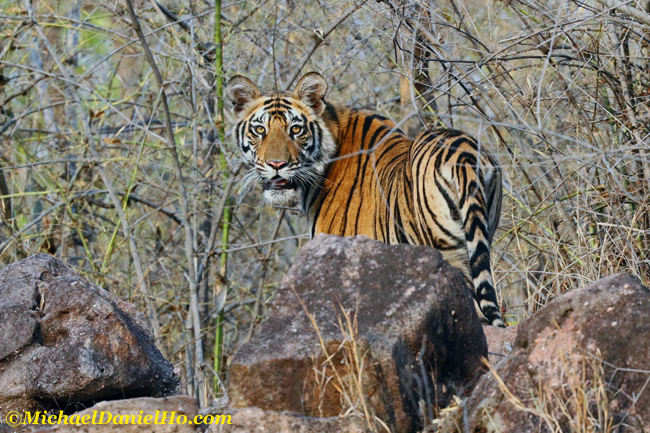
360,323
586,354
64,340
256,420
154,415
499,341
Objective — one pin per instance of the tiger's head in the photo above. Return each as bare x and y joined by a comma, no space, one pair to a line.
283,135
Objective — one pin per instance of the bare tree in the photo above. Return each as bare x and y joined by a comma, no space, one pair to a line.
118,158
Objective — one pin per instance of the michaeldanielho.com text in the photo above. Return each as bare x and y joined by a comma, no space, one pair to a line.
14,419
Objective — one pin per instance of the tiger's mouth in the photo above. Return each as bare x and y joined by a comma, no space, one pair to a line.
278,183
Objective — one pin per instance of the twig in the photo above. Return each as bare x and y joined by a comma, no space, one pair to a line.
319,40
265,266
189,253
633,12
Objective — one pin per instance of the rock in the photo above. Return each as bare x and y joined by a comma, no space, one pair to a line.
128,410
64,340
393,315
255,420
586,351
499,341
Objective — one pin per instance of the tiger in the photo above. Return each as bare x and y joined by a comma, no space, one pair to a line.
354,172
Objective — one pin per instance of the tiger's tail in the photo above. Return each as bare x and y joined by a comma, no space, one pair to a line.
459,206
480,209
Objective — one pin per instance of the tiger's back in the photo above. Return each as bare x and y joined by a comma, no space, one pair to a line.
356,173
440,190
366,178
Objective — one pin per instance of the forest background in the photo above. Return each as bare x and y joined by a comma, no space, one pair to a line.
117,155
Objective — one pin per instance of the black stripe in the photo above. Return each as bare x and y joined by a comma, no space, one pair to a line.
488,287
280,104
348,131
394,141
482,249
451,204
464,157
278,100
432,213
367,123
310,148
480,264
470,232
443,245
474,208
329,108
453,147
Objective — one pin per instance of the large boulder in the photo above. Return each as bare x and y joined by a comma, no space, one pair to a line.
387,331
256,420
64,340
581,363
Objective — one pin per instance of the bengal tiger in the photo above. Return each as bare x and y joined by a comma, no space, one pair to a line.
355,173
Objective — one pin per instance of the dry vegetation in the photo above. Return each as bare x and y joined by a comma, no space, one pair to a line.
558,90
343,367
579,403
576,400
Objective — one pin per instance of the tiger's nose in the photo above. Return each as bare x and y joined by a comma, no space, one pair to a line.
277,164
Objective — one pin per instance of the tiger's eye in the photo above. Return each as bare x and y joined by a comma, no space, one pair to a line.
260,129
296,129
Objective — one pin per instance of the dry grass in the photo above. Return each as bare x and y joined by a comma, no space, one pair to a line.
558,90
578,399
579,402
343,368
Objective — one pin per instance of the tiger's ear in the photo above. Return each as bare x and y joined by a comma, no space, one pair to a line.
311,90
241,91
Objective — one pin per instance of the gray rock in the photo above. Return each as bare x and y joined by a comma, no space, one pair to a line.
255,420
135,409
413,319
64,340
500,342
589,348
